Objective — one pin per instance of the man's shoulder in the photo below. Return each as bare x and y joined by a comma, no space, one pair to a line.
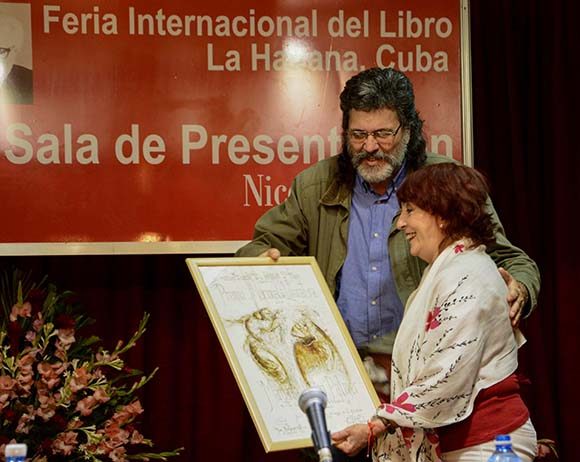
321,171
319,180
437,159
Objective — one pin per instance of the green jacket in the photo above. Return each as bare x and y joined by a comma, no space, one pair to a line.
314,221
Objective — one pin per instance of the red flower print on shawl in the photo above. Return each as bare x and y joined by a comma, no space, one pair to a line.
459,248
407,435
433,438
399,402
432,321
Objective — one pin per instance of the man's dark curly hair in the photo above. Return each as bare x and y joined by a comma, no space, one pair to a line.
375,89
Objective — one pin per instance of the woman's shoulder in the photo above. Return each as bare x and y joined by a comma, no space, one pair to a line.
472,267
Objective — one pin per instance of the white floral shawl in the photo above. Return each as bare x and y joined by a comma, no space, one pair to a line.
455,340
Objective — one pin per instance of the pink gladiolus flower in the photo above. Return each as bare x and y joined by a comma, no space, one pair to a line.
86,405
118,455
101,396
128,412
25,377
6,388
136,437
66,337
25,382
25,421
27,359
47,407
65,443
50,373
6,384
104,357
38,323
80,379
24,311
50,369
134,408
116,436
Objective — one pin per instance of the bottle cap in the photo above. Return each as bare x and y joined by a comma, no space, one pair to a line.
15,450
504,438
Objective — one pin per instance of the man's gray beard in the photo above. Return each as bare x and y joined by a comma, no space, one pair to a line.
382,172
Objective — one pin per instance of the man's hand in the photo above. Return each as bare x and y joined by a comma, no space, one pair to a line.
517,297
274,254
352,439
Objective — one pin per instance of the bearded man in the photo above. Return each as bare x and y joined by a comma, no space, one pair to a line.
343,211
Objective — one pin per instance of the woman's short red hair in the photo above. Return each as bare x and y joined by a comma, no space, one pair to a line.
455,193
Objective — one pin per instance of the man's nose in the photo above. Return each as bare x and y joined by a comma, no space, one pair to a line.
371,144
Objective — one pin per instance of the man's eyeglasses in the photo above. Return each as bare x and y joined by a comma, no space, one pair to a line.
4,52
382,135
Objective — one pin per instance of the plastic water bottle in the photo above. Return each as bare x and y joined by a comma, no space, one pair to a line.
503,450
15,452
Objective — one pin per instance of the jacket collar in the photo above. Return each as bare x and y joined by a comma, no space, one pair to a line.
337,194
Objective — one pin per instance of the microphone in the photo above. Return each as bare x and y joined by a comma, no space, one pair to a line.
312,402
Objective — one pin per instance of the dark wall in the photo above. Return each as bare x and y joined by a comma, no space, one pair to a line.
525,100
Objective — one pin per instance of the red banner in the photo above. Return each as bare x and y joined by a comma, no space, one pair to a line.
181,121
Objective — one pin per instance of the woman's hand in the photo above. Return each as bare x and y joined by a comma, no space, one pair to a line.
352,439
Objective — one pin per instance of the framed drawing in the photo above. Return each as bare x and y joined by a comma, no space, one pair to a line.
282,333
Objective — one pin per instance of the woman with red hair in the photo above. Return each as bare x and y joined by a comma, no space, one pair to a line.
453,382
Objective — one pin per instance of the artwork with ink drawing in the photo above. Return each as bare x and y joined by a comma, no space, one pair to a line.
284,335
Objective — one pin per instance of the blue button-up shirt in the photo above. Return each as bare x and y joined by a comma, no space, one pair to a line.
367,297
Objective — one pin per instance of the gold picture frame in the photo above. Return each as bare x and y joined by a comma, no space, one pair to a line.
282,333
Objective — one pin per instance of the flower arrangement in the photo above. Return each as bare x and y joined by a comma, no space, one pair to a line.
64,396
